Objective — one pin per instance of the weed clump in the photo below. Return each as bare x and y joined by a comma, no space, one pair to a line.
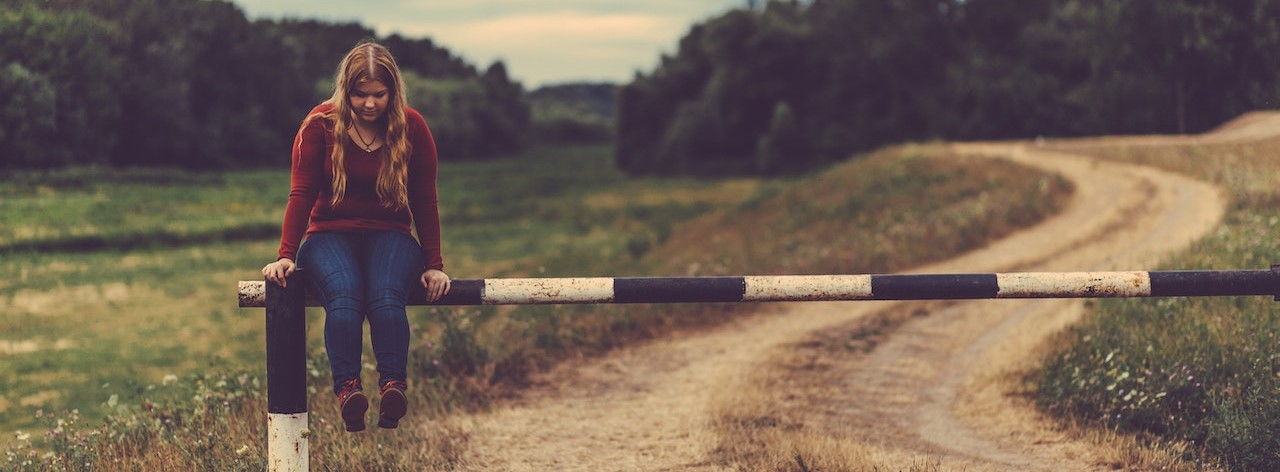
196,420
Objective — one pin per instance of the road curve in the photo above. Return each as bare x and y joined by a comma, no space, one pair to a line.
956,411
931,391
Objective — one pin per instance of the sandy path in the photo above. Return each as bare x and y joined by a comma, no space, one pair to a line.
931,390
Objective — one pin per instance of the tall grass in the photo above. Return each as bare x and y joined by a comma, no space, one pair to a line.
892,210
127,347
1200,371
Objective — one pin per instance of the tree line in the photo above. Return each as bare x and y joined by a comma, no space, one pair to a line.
196,84
796,85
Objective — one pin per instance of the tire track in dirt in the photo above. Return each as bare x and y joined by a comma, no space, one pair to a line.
935,388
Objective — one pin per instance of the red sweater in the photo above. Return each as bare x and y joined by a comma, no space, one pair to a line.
310,209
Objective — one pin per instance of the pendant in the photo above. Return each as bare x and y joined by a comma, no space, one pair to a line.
368,149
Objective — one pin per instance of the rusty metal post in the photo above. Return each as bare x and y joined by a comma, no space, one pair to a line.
287,431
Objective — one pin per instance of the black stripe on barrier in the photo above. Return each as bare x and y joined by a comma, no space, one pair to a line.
286,347
678,290
934,286
461,292
1209,283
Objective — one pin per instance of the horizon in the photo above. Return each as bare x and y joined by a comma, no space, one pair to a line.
573,41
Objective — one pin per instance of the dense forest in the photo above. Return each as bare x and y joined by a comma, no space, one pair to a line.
195,84
775,89
795,85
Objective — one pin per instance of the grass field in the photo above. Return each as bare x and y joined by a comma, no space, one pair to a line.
1201,374
121,302
135,273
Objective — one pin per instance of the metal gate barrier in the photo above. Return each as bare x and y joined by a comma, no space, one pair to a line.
287,430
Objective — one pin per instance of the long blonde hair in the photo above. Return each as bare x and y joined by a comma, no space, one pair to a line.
370,61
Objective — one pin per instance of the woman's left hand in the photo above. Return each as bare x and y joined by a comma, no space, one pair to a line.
437,284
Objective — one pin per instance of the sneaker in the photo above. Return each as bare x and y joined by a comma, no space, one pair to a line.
394,404
353,403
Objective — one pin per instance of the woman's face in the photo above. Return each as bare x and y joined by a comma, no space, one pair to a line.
369,100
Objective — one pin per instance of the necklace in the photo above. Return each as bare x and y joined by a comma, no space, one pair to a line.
368,147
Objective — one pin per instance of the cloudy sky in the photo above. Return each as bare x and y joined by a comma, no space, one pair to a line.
541,41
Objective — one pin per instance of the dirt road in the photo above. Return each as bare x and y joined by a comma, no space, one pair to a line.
933,390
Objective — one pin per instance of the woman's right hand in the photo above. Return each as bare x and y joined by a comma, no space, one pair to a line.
279,271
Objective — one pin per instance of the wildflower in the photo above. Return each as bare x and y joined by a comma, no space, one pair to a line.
23,436
243,450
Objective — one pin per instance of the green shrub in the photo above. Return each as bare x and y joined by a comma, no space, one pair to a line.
1244,433
1201,370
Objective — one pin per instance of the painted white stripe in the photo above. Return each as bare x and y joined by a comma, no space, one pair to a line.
807,287
288,448
252,293
1074,284
536,291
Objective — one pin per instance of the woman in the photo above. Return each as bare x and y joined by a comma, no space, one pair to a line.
364,169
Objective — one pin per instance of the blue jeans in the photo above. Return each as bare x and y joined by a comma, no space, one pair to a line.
359,273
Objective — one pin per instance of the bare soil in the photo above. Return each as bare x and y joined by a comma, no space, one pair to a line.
907,383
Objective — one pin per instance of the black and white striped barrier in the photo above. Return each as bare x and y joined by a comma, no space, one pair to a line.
769,288
287,433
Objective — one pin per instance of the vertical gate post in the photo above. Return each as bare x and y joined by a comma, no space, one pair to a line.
287,431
